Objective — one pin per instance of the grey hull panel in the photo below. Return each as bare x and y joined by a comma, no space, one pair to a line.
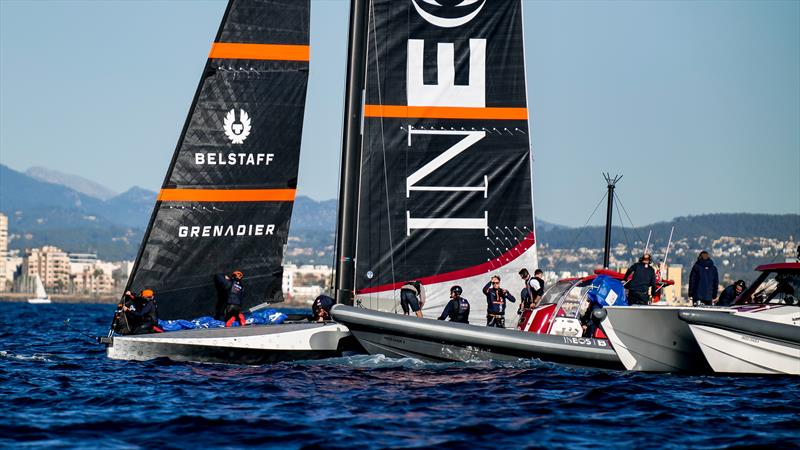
654,339
246,345
745,325
396,335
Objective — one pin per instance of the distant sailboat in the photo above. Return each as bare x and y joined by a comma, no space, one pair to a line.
41,293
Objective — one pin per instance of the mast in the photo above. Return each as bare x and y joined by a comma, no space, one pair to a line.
351,155
611,182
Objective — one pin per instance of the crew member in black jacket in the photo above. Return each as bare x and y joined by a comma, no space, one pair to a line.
232,286
321,308
644,278
457,309
496,303
141,312
730,293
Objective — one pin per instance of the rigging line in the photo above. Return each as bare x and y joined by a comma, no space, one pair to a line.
624,232
619,199
583,228
383,140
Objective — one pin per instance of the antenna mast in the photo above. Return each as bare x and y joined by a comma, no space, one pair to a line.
611,182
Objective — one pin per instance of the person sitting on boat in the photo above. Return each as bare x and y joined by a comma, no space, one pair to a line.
729,294
141,312
703,280
642,278
412,297
232,284
496,298
457,309
533,290
321,308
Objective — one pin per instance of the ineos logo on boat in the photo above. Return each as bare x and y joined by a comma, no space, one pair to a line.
461,15
236,131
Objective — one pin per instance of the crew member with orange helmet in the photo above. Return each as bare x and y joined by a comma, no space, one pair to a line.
232,286
141,312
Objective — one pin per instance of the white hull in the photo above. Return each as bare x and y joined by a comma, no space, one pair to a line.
39,301
654,339
734,352
240,345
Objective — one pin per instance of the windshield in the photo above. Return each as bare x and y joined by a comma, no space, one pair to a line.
571,307
555,292
781,288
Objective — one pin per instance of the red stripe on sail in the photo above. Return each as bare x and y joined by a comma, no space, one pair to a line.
507,257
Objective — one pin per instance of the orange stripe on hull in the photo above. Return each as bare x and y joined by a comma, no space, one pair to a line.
274,52
445,112
226,195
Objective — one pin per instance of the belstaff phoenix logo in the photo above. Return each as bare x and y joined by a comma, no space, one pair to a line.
451,13
237,132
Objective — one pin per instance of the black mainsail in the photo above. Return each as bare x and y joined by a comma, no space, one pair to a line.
227,197
445,180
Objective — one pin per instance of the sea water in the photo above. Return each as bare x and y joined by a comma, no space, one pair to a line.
58,389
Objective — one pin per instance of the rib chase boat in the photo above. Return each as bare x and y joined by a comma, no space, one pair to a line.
227,197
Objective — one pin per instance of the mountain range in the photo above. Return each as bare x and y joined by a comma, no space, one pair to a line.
45,206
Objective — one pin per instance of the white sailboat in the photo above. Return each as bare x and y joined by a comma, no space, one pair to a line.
41,294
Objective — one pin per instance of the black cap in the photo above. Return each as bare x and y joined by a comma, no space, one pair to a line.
457,289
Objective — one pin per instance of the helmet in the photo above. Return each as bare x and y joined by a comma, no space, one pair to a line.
237,274
457,289
741,284
147,293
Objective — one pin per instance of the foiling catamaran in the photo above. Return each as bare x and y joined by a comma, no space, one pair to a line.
437,188
227,197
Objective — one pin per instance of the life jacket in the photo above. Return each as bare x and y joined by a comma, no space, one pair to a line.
459,312
236,293
540,291
495,301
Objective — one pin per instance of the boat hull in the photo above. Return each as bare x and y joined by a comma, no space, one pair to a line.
430,340
39,301
654,339
237,345
746,344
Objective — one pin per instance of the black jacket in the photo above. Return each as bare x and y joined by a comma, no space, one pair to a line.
496,299
322,303
728,296
233,288
644,276
457,310
703,280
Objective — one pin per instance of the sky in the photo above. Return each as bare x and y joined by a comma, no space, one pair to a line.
697,104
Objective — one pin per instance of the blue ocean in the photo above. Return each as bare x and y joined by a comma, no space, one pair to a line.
59,390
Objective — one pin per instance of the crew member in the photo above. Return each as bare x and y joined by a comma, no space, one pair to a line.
141,312
533,291
643,277
457,309
321,308
703,280
496,303
412,297
232,285
730,293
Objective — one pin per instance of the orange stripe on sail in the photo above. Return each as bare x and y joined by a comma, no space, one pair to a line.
276,52
445,112
226,195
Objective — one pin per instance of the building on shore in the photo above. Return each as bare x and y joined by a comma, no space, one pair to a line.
52,266
3,251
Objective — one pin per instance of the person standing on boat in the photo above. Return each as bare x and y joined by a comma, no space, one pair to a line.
533,291
141,312
730,293
321,308
232,285
457,309
703,280
412,297
496,298
642,281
